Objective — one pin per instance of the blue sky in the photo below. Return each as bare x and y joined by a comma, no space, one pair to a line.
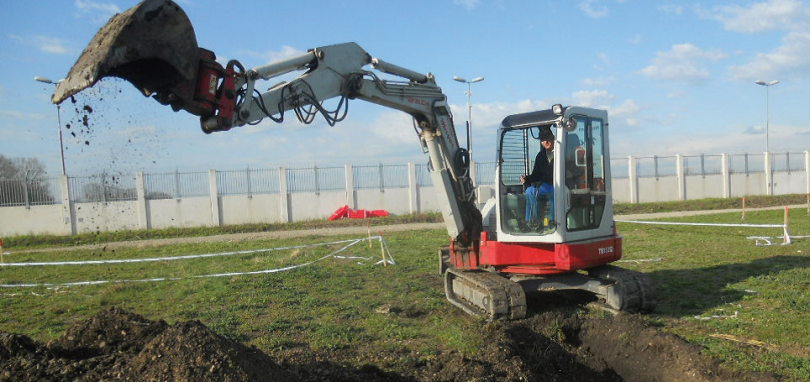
677,77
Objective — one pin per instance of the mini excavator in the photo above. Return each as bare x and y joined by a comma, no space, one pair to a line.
516,243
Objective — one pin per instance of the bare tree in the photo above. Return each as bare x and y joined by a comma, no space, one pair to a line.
23,182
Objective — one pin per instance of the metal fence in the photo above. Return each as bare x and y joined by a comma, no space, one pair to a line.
315,179
656,167
485,173
620,168
788,162
102,188
246,182
380,177
746,163
29,191
176,185
703,165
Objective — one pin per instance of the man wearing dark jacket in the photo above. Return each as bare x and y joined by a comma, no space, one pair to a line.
541,180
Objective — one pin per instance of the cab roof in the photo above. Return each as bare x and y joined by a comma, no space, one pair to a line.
541,117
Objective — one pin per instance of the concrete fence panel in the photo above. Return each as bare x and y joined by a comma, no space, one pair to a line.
282,195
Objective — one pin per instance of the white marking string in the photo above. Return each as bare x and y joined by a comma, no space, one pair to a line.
174,258
787,238
229,274
704,224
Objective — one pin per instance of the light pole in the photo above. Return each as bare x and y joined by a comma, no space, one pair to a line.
767,86
58,121
469,109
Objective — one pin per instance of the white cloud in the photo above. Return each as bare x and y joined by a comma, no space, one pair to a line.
16,114
754,130
98,12
592,98
269,56
604,58
677,94
628,111
635,40
684,62
792,58
599,81
469,4
53,45
285,52
672,8
592,9
760,17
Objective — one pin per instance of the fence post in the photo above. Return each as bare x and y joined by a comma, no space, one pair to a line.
317,181
104,187
213,192
284,195
413,206
807,171
143,222
351,194
726,175
26,197
177,191
681,177
68,218
632,179
382,178
768,174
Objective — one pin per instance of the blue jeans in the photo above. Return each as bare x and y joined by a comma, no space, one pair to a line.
531,201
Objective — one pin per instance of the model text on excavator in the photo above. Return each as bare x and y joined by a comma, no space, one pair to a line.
560,238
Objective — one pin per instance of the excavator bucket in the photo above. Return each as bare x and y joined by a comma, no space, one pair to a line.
152,45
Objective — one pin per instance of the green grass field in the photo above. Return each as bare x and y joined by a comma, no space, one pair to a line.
747,305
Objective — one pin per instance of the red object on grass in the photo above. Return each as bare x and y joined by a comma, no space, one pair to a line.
345,212
359,214
340,213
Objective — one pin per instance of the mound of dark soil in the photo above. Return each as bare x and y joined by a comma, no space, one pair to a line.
115,345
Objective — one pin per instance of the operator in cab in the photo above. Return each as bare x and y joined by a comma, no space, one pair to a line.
541,181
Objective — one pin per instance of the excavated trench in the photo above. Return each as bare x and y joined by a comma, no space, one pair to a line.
116,345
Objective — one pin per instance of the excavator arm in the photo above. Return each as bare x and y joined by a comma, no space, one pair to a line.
153,46
337,71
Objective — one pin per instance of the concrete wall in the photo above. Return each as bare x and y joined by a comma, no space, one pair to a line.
71,218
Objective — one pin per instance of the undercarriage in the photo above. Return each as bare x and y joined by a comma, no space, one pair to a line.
496,296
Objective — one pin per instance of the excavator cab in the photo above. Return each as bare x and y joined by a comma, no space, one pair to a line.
561,238
577,206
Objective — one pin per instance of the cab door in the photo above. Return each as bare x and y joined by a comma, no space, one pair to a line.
585,176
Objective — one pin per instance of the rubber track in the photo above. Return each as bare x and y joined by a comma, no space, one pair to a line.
507,300
636,288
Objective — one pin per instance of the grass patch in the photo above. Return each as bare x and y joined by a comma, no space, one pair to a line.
710,281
